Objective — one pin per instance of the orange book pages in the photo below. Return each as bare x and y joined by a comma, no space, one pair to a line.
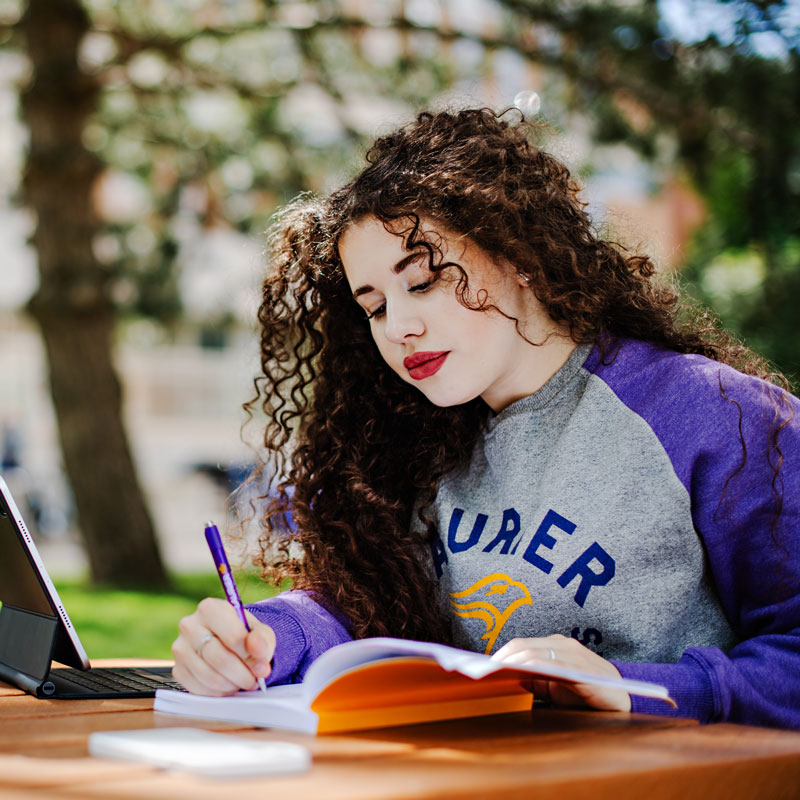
389,716
400,691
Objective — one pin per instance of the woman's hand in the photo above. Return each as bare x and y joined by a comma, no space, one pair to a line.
566,652
215,655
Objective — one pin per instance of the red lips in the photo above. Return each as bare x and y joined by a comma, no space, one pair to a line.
424,364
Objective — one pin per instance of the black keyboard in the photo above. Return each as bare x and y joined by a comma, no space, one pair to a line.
129,681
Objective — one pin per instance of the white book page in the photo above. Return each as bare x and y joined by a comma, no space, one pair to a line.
474,665
280,707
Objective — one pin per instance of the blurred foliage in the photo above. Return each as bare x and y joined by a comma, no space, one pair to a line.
148,620
214,112
725,110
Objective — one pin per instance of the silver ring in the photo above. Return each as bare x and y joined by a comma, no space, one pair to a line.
203,642
552,654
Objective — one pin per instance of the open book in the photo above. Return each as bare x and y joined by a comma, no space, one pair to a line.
380,682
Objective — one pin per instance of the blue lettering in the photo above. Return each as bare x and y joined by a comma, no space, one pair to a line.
589,578
509,529
439,556
477,530
543,539
590,638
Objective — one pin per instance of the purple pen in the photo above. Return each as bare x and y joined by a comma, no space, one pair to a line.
226,577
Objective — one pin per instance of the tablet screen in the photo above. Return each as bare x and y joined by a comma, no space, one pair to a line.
19,582
25,584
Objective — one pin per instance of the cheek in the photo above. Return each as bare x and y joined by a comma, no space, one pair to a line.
383,348
470,327
488,326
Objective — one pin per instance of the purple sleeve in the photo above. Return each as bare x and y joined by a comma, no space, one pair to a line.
720,428
304,630
753,683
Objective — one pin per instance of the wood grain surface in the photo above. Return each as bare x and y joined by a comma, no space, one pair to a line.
546,753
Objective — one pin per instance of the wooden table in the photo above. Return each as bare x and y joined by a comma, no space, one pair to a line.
543,754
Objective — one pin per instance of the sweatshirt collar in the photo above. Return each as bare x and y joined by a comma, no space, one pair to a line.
547,393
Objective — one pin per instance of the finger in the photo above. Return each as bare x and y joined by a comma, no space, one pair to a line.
533,654
191,628
542,643
543,655
217,657
260,645
205,684
556,642
510,648
602,698
196,675
220,617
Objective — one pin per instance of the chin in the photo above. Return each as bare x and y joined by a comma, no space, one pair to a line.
448,399
440,396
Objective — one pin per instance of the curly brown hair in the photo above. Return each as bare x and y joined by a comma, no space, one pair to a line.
351,448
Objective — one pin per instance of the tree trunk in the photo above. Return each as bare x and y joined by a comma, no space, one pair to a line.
72,307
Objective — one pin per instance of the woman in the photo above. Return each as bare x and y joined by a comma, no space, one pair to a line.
493,428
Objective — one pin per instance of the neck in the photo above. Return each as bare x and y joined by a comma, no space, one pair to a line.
537,363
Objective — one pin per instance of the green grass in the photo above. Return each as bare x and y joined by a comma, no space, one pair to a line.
120,623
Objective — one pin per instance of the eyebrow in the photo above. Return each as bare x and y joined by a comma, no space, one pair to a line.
397,269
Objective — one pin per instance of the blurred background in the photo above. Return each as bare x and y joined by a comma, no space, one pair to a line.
145,144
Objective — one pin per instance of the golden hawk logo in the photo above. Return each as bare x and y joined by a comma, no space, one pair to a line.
474,603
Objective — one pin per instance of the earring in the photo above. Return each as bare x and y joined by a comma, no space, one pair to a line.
526,278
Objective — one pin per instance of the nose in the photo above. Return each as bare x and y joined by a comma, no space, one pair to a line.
402,322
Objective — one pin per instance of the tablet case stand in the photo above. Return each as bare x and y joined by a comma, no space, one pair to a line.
29,642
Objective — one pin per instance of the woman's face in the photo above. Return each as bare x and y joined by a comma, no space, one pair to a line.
451,353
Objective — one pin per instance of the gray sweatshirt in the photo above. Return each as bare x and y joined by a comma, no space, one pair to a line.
570,519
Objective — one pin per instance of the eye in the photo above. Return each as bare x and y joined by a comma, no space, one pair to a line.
377,313
425,281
